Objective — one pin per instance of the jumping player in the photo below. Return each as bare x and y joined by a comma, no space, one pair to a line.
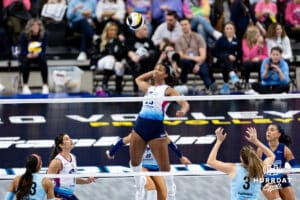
246,176
278,142
64,162
155,185
31,185
149,129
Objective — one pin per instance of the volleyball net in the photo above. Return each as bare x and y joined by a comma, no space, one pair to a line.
94,124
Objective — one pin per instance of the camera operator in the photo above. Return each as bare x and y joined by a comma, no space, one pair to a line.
171,58
274,74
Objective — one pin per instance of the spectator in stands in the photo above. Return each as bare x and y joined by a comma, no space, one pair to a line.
141,52
168,56
33,44
274,74
220,13
242,15
3,36
192,50
254,50
16,16
110,56
54,10
276,36
265,12
170,29
292,18
145,8
110,11
80,14
228,52
161,7
198,13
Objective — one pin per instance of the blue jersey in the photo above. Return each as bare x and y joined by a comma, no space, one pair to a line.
154,109
149,161
242,187
37,191
279,161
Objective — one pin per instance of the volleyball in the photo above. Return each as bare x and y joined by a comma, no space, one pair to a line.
35,47
135,20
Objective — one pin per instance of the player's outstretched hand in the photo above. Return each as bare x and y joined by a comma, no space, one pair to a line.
221,136
251,135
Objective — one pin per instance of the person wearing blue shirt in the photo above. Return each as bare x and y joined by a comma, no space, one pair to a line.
274,73
31,185
80,14
245,176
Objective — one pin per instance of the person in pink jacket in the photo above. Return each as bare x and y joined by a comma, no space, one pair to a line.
292,18
265,12
254,50
26,3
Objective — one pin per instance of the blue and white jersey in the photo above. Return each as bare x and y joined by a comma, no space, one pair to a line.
149,161
37,191
66,186
279,161
154,109
242,187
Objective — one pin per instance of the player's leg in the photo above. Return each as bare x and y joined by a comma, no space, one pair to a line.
137,148
270,193
150,187
287,193
159,148
161,187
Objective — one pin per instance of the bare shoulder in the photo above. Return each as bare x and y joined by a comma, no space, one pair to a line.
55,166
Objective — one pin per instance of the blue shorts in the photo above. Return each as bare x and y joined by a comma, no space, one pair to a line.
282,181
149,129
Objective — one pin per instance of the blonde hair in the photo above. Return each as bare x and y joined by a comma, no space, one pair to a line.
251,35
252,162
28,28
104,35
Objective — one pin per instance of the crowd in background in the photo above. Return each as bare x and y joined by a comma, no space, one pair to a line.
234,37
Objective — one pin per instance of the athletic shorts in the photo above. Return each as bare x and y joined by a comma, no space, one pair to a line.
149,129
281,182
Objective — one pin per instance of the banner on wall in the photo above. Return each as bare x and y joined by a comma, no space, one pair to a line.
94,127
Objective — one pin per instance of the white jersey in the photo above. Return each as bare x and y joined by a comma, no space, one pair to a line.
149,161
154,109
66,186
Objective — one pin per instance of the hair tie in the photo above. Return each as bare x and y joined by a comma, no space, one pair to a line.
38,161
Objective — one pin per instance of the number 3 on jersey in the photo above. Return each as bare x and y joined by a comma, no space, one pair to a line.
33,188
246,186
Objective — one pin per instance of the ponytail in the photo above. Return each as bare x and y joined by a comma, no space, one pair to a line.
253,164
33,164
283,138
56,149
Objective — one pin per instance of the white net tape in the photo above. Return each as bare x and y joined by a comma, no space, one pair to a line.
131,174
139,99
